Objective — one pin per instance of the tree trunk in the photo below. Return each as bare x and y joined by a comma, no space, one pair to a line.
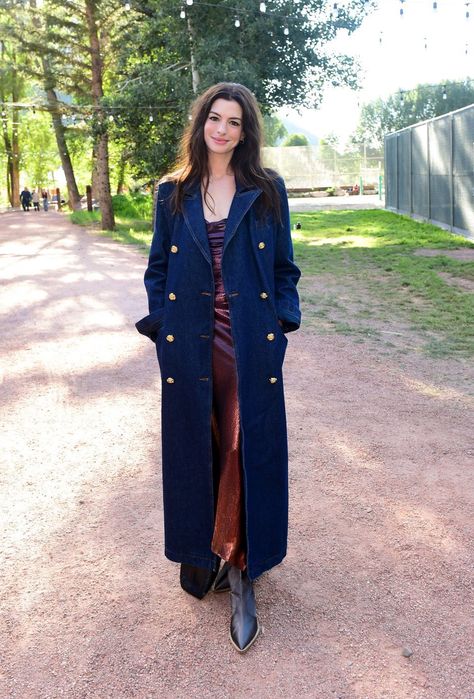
194,69
11,142
102,162
59,131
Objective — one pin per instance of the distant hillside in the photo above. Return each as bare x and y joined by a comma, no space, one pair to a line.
294,127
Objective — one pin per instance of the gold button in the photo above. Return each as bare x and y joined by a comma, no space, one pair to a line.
174,248
263,295
171,380
170,338
261,245
172,297
270,336
273,379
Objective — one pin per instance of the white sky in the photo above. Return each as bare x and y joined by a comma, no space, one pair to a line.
400,61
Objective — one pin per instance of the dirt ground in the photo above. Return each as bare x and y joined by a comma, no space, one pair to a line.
380,553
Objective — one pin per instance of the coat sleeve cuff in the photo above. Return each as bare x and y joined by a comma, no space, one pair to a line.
150,324
290,317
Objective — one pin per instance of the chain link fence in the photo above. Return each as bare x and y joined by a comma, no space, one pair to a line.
429,171
321,167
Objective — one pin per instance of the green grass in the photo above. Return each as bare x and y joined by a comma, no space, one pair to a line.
133,215
375,285
361,276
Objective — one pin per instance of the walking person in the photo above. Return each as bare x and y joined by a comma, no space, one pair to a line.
36,200
45,197
221,285
25,199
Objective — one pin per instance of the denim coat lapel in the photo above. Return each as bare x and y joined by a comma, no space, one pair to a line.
241,203
194,216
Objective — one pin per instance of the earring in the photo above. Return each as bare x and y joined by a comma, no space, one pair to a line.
242,140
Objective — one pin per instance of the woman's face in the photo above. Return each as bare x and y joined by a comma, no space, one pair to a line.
223,127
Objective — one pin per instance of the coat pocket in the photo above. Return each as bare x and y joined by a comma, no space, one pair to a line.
150,324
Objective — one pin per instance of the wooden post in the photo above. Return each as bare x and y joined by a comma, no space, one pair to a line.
89,197
58,195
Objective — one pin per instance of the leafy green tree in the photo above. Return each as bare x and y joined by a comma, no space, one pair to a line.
296,139
280,55
406,108
12,89
39,153
274,130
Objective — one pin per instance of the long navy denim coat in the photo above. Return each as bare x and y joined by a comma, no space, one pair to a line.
260,280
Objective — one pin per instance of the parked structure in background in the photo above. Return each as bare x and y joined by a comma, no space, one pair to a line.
429,171
312,167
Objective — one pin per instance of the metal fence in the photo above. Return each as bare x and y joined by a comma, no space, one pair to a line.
429,171
311,167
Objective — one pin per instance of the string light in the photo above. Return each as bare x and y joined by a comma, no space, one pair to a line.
445,94
127,6
467,9
263,7
182,14
189,2
401,8
237,22
435,6
286,31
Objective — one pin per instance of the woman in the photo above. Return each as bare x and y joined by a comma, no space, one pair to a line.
221,285
36,200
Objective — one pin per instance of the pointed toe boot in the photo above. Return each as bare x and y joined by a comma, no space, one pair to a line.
244,626
221,583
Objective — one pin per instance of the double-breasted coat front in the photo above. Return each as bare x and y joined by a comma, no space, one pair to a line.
260,281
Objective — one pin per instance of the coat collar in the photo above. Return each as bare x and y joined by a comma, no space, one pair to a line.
193,212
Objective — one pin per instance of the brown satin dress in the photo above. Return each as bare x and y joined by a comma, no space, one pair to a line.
228,540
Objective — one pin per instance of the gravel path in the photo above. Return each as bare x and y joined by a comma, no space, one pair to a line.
380,550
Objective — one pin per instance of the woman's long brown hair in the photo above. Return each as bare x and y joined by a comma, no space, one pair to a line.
192,166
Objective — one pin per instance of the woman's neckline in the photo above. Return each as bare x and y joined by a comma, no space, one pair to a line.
221,220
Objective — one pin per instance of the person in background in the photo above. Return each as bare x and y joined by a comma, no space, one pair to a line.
35,198
45,197
25,199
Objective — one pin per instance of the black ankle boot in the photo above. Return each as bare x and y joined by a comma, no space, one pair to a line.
244,626
221,583
197,581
